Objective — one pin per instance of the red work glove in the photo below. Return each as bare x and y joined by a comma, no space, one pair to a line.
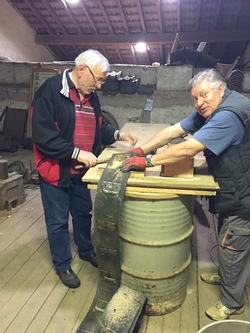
136,152
135,163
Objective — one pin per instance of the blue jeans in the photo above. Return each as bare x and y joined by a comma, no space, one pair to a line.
58,202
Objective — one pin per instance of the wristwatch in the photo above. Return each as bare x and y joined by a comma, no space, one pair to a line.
148,161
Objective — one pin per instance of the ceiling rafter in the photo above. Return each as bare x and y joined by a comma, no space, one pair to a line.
178,6
217,14
184,37
40,18
119,54
198,9
88,16
123,16
103,51
72,17
158,7
38,15
105,16
141,15
237,9
161,53
54,15
149,57
133,53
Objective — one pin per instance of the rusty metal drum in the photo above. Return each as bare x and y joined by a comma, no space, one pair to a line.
155,234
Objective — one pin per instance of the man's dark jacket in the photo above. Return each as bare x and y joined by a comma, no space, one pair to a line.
53,123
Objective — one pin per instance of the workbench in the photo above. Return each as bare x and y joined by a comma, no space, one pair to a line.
151,182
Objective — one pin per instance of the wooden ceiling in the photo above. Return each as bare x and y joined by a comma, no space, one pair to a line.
115,26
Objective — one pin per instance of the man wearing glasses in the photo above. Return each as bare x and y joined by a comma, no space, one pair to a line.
68,130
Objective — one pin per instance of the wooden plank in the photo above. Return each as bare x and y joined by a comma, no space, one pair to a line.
84,304
67,313
152,179
143,327
155,324
15,256
21,222
190,307
19,289
138,192
205,228
31,306
142,130
198,182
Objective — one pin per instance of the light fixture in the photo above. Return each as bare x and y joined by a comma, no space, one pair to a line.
70,1
140,47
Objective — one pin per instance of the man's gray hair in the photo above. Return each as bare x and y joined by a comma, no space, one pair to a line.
212,76
92,58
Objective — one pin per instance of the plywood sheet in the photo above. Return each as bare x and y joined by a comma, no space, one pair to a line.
200,184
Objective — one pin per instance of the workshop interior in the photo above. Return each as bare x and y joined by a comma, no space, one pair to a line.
152,229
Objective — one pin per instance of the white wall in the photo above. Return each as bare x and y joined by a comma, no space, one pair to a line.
17,38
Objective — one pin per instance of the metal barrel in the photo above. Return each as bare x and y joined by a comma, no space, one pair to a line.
155,233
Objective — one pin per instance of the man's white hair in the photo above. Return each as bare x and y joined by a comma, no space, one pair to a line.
212,76
92,58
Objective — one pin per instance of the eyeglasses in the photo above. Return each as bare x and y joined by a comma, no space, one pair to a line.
97,79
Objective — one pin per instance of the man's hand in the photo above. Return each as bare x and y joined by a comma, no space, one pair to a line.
87,158
129,137
135,163
136,152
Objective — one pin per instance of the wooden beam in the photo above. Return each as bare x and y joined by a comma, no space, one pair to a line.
178,8
184,37
88,16
119,54
141,15
216,14
158,8
122,15
197,20
104,13
134,55
39,16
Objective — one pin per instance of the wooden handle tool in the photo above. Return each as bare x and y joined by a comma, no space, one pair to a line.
103,160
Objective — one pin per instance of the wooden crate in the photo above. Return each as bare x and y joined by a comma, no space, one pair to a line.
11,191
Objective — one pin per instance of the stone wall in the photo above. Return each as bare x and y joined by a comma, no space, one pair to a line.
171,99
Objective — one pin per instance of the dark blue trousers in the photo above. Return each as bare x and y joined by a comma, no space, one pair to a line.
58,203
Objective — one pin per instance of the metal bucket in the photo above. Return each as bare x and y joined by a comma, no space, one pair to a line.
227,326
155,233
